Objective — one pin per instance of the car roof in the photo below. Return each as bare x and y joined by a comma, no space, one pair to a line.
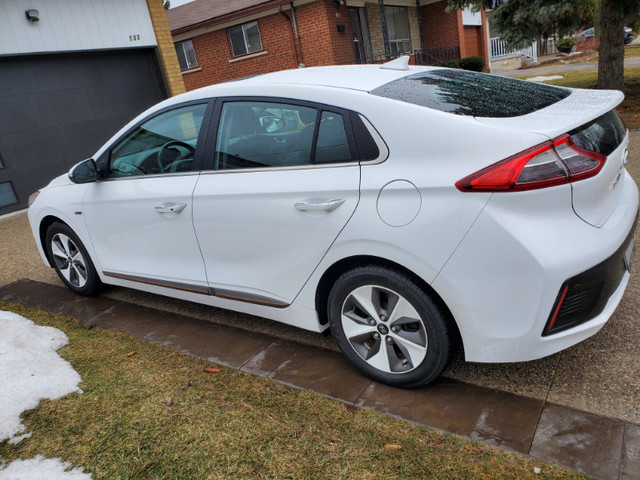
350,77
353,77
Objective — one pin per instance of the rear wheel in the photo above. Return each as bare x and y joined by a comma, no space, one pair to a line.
388,326
71,260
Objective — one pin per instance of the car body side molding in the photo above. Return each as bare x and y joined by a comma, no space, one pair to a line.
228,294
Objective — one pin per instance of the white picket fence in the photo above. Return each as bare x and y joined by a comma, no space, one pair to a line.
498,49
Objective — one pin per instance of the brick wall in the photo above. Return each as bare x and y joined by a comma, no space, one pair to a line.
342,42
213,52
315,34
320,43
440,29
375,30
166,50
414,29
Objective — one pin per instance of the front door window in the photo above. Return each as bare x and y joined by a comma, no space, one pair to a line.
164,144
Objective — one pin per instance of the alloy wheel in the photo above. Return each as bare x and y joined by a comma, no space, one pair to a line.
384,329
69,260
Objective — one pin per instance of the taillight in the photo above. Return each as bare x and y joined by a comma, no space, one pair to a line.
551,163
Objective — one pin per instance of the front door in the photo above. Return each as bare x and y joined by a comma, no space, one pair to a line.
360,32
139,217
283,183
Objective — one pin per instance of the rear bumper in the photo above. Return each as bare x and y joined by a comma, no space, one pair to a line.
503,281
585,296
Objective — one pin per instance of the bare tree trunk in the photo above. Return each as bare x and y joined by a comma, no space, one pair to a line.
611,61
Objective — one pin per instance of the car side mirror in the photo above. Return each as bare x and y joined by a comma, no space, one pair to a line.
84,172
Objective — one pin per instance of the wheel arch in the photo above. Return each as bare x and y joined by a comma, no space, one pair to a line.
334,271
45,223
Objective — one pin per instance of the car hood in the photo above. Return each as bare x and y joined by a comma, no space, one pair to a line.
60,181
575,110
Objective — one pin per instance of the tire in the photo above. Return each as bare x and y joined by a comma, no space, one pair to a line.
71,261
388,327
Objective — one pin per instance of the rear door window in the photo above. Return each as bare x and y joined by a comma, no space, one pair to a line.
470,93
262,134
332,145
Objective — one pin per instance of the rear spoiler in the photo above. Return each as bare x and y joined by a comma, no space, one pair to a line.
580,107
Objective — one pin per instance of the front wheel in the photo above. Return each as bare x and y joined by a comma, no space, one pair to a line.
71,260
388,327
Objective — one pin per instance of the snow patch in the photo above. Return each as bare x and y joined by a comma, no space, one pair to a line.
39,468
544,79
30,369
19,438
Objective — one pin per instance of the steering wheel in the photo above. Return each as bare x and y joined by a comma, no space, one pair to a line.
172,164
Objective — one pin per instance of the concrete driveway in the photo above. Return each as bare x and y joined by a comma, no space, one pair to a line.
600,375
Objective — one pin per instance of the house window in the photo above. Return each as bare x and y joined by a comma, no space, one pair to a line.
7,194
245,39
186,55
398,28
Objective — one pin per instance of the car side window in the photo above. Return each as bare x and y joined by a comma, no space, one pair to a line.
165,144
332,145
264,134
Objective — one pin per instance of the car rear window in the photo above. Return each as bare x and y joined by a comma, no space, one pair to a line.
469,93
603,135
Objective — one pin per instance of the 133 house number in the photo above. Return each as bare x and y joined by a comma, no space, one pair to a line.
134,38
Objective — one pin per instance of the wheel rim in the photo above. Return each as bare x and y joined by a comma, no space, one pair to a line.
69,260
384,329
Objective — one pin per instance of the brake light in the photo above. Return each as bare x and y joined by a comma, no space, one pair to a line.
551,163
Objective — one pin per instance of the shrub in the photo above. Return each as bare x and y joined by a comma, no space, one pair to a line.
450,64
473,63
566,44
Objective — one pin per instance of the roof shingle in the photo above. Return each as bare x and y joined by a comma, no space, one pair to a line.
203,11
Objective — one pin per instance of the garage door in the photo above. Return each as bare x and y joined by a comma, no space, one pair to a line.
56,110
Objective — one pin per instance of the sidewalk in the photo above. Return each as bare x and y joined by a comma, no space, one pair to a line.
525,72
599,446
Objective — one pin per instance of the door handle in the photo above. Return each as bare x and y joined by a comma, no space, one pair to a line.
170,207
319,204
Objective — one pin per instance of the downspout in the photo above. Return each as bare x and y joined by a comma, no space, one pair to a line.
295,27
385,31
420,25
292,37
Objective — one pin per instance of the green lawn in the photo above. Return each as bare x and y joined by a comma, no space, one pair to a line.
155,413
629,108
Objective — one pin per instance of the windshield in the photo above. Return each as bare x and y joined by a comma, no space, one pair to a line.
469,93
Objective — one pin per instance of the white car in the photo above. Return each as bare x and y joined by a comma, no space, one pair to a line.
405,208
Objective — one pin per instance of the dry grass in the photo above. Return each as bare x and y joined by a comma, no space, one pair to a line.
157,414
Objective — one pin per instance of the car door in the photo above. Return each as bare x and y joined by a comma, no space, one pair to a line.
283,182
139,214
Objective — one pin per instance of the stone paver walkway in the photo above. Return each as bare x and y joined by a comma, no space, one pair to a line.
603,447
